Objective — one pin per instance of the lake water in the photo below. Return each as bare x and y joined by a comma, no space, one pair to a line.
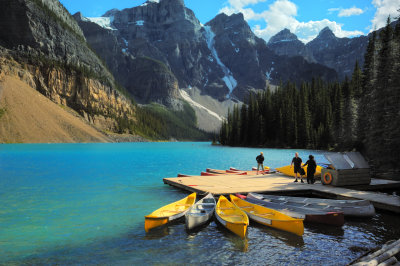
85,204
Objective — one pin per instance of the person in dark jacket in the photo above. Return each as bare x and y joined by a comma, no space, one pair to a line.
260,162
312,167
296,161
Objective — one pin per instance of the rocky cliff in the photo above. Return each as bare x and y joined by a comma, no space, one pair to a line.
222,59
45,47
326,49
287,43
338,53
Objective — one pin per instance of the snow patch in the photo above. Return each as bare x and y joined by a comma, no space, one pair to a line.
229,80
187,98
126,42
268,73
139,23
237,50
104,22
150,1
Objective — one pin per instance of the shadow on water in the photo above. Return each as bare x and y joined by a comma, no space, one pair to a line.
325,229
258,230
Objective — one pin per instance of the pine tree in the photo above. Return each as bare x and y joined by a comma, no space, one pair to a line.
368,83
379,121
392,110
349,115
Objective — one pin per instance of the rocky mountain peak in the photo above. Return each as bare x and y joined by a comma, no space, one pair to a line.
326,33
283,36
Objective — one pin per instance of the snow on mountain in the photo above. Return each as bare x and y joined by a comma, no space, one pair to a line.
229,80
104,22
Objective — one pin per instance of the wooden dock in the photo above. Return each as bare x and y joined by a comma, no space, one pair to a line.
281,184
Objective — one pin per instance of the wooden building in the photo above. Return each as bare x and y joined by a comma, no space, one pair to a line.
346,169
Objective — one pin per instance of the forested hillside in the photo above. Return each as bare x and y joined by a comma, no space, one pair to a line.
361,113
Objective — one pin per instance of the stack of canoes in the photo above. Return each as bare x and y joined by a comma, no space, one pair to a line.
279,212
234,215
269,217
360,208
308,214
231,171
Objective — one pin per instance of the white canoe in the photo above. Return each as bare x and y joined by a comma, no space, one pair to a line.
201,212
362,208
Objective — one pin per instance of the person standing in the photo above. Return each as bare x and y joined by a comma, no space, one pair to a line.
311,168
260,162
296,161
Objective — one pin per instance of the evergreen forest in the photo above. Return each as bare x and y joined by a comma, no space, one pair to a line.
360,113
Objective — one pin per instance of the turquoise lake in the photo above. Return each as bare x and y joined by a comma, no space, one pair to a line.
85,204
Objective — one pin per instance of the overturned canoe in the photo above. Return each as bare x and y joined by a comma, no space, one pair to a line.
232,217
361,208
169,212
183,175
270,217
201,212
309,215
289,170
225,172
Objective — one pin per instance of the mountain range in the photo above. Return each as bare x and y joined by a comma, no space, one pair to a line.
160,53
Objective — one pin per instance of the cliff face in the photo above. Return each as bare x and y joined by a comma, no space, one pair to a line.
340,54
326,49
45,47
222,59
287,43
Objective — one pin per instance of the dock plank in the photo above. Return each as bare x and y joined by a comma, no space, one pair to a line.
278,183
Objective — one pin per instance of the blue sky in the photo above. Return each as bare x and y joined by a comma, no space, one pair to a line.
305,18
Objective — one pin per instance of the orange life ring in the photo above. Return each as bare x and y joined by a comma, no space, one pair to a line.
327,178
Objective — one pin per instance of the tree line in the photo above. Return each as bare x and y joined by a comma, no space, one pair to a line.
362,112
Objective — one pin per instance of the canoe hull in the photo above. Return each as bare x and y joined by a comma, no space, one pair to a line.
359,208
169,213
153,222
270,217
309,215
231,217
288,170
295,227
200,213
236,228
333,218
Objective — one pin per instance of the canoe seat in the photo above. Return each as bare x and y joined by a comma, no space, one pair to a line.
265,214
171,211
232,215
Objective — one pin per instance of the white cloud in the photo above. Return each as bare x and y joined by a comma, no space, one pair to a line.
347,12
384,8
282,14
353,11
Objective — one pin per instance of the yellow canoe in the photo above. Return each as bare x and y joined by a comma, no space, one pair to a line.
287,170
270,217
169,212
230,216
